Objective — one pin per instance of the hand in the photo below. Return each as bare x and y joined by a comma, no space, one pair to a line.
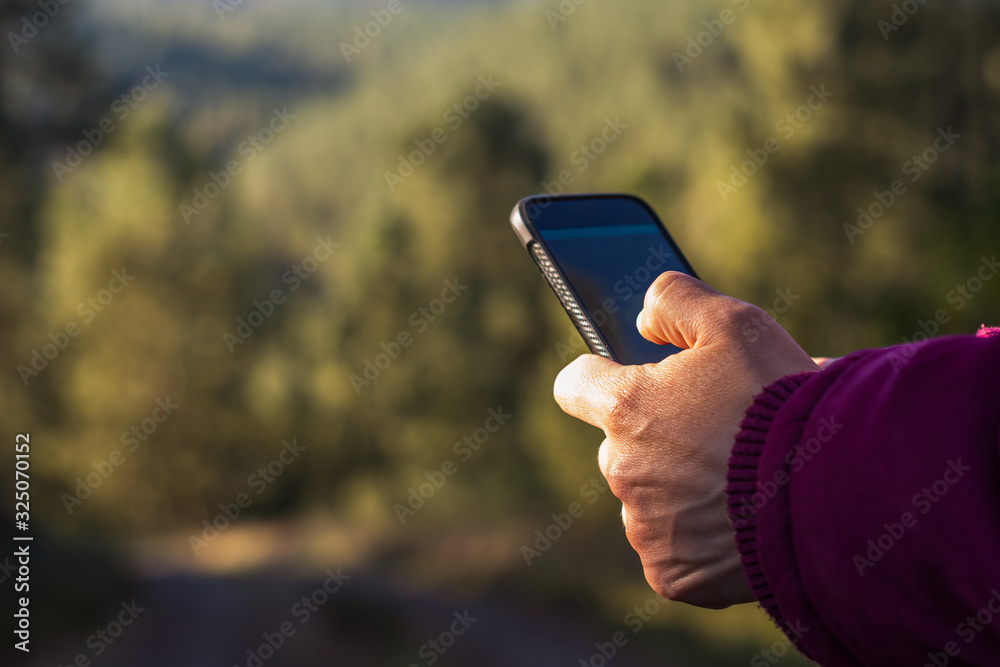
670,427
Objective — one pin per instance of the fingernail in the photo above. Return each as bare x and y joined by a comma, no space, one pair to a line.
638,321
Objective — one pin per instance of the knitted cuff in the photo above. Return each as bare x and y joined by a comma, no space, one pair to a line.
742,483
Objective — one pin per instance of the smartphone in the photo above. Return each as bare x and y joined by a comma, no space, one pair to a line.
600,253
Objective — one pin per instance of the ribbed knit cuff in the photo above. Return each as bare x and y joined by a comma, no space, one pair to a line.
742,483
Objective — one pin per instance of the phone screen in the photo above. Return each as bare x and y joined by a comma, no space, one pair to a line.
610,249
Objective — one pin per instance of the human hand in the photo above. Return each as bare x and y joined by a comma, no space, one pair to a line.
671,426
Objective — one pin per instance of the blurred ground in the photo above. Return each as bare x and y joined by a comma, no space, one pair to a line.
299,594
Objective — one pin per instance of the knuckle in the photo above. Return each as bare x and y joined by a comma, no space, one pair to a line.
672,585
646,540
626,416
623,405
663,285
620,478
665,585
665,568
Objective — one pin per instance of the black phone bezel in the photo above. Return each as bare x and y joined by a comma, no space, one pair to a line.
528,234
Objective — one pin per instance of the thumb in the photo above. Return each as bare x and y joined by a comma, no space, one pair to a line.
681,310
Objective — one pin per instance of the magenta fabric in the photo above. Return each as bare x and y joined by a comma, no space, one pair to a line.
988,332
865,499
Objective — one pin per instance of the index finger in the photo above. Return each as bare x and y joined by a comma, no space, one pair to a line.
587,388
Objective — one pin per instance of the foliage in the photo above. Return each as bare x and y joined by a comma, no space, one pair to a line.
496,345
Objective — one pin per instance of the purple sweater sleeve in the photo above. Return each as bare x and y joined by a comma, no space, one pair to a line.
866,504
